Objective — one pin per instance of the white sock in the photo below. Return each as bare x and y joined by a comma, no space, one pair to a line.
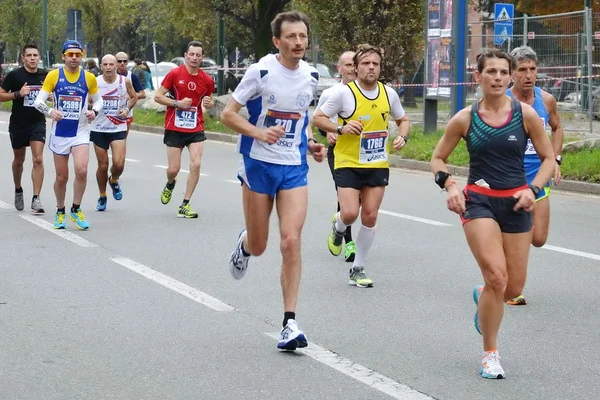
363,242
339,225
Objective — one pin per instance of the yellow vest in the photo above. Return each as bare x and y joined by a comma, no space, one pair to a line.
370,149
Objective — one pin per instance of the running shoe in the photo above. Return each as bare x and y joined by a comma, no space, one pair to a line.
116,189
187,212
490,366
291,337
349,252
517,301
165,196
19,202
238,262
59,221
335,239
36,206
101,206
79,219
359,278
476,294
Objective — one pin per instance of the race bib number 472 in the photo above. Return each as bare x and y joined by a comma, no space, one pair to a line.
186,119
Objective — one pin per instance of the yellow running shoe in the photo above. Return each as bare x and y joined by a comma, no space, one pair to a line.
186,212
334,241
517,301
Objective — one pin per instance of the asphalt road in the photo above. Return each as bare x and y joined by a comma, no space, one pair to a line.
142,305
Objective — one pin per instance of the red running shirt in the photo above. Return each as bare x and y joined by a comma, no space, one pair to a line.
182,84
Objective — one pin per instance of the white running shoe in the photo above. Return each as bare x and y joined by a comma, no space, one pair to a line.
238,262
291,337
490,366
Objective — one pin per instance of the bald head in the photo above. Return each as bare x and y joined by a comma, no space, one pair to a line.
122,56
122,66
109,58
345,56
109,65
346,67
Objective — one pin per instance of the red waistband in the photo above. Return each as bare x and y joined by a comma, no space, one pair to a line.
494,192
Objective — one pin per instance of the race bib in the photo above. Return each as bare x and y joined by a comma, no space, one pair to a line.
33,93
70,106
288,120
186,119
529,150
110,105
373,147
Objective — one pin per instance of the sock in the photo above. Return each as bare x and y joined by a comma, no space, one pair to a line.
35,196
113,181
171,185
348,234
339,225
60,210
244,252
185,202
75,207
287,316
363,243
103,194
18,190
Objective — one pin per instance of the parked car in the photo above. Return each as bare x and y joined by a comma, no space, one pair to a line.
326,79
209,66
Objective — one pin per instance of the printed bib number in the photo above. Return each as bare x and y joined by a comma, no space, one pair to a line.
530,149
288,120
110,105
70,106
373,147
33,93
186,119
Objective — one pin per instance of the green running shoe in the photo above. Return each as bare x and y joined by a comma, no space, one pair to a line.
349,252
187,212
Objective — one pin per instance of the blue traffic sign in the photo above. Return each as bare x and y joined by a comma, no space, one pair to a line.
504,14
502,33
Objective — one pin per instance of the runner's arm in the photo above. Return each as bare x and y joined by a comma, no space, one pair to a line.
332,106
6,91
161,98
132,95
40,103
96,102
541,143
455,130
137,86
555,124
6,96
231,118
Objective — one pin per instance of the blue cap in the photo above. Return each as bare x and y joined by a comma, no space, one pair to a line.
72,45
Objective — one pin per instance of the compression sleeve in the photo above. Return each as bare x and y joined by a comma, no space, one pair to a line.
40,102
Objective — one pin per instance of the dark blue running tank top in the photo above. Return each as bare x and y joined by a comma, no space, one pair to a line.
496,153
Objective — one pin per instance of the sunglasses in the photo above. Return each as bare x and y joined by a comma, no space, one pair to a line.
122,61
71,54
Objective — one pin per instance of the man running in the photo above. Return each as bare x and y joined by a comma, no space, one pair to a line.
110,128
544,104
70,133
361,152
277,92
27,126
347,70
184,122
122,60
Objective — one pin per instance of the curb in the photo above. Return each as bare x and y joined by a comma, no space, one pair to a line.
399,162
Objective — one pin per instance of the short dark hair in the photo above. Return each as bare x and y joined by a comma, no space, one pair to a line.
194,43
30,46
289,16
495,53
366,49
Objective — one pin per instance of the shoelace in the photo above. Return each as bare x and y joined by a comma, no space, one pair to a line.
80,215
492,360
237,259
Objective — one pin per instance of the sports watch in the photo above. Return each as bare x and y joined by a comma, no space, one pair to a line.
534,189
339,129
558,159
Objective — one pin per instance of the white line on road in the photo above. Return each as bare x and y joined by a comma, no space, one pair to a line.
71,237
236,181
572,252
4,205
185,171
173,284
360,372
417,219
132,160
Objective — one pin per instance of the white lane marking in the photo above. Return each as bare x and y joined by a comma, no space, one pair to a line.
132,160
4,205
173,284
6,133
185,171
359,372
71,237
417,219
236,181
572,252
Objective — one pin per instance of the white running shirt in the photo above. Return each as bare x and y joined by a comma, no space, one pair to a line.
114,99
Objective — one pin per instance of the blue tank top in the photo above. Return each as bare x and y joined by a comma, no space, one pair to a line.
71,99
531,156
496,153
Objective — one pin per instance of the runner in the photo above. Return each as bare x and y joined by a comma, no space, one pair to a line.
495,206
184,122
27,126
361,152
122,60
70,132
110,128
545,106
277,91
347,70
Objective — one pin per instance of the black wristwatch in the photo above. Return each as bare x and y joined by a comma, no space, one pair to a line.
339,129
95,112
534,189
314,140
558,159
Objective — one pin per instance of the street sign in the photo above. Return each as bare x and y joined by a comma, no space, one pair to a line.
597,35
74,25
160,53
503,22
530,35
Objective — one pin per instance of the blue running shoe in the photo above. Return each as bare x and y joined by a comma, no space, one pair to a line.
116,189
59,221
291,337
101,206
79,219
476,294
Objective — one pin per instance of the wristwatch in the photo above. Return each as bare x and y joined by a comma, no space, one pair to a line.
339,129
534,189
95,112
175,104
558,159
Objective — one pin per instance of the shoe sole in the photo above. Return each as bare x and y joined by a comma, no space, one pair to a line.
187,216
298,343
354,283
38,212
77,225
334,251
488,376
60,227
350,258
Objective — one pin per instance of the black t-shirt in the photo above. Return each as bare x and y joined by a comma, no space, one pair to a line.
23,113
